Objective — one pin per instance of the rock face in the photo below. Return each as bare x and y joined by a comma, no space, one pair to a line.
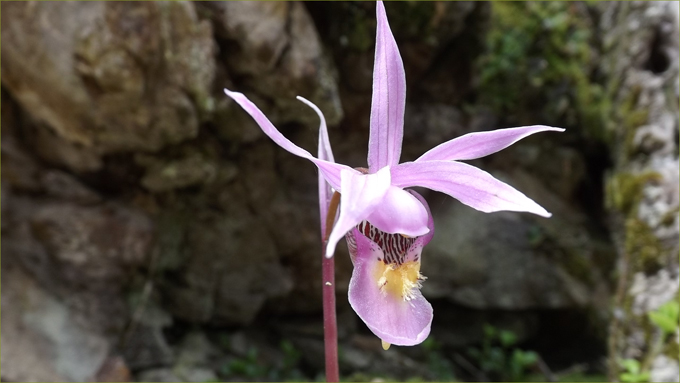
138,201
432,38
642,64
122,77
509,261
44,329
129,192
275,52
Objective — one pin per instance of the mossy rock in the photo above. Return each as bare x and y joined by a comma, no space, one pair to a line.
541,58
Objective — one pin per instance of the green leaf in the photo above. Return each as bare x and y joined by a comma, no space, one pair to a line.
631,365
507,338
666,317
628,377
526,358
489,331
663,322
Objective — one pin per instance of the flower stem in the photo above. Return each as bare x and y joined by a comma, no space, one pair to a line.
330,325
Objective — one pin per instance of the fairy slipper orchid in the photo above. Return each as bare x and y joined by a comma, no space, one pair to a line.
386,225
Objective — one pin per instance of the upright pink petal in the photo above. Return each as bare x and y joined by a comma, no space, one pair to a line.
400,212
326,154
361,194
480,144
468,184
330,170
389,98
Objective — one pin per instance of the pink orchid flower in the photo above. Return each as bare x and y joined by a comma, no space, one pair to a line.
387,226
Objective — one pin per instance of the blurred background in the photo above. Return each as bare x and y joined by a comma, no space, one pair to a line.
151,232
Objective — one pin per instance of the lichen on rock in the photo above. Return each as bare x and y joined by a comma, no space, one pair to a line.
641,64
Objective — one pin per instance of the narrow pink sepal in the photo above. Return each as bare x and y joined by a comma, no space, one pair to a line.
330,170
468,184
389,98
480,144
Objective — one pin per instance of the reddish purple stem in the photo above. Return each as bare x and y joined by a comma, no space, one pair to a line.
330,324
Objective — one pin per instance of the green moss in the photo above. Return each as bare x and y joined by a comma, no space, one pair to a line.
624,190
578,266
629,118
668,218
356,32
594,107
411,19
539,59
671,348
631,122
624,194
408,20
636,118
643,247
360,37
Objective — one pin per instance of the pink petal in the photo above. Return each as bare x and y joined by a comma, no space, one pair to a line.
389,98
330,170
400,212
423,240
326,154
390,318
480,144
361,194
468,184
